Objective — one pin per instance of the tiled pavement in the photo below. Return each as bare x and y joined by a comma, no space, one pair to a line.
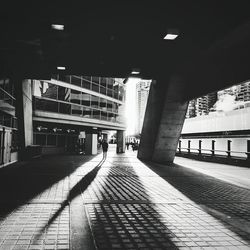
71,202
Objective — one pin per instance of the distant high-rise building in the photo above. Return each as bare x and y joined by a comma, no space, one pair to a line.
243,92
202,105
191,110
142,92
211,100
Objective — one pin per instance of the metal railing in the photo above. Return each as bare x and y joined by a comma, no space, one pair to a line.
212,152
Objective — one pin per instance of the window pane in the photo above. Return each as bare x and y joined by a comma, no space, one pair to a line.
116,92
110,93
75,96
76,110
110,83
109,105
95,79
85,84
103,104
63,94
103,82
103,90
46,105
96,113
64,108
115,107
111,117
104,115
44,89
95,87
86,112
64,78
85,99
94,101
76,80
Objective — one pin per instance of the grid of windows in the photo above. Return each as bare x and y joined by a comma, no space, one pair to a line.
103,85
53,98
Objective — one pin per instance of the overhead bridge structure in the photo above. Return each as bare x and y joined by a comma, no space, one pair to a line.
188,48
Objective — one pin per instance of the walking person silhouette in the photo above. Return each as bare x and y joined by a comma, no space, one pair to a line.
105,149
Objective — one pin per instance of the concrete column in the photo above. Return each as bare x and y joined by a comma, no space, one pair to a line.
23,95
120,138
171,122
151,120
91,144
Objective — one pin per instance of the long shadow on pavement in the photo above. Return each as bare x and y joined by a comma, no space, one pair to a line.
224,201
21,182
77,189
122,215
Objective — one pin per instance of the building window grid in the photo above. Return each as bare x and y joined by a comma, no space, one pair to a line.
91,109
95,85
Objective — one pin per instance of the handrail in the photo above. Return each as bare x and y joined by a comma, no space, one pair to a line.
215,150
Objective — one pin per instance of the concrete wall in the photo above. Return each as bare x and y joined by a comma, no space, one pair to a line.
226,121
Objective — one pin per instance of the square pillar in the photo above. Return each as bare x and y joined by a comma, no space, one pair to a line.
171,122
91,144
151,120
23,93
120,146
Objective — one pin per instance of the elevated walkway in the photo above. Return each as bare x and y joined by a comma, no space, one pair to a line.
80,202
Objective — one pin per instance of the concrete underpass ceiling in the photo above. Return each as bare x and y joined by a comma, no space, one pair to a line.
112,38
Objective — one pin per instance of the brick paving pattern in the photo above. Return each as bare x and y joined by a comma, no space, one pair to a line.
129,205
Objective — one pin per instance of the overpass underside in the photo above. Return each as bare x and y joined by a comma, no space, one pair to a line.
224,64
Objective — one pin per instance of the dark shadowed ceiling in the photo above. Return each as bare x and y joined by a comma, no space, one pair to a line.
110,38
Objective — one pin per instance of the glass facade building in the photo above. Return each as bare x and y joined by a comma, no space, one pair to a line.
51,97
67,106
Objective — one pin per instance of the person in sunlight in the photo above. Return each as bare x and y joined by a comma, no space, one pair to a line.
105,149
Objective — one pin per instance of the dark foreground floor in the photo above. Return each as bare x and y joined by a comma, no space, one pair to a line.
79,202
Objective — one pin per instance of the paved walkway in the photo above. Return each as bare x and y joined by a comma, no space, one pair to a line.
80,202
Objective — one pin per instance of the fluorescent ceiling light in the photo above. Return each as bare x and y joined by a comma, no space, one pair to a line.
57,26
135,72
61,68
170,36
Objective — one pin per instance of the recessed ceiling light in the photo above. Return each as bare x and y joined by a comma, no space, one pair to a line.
57,26
170,36
61,68
135,71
